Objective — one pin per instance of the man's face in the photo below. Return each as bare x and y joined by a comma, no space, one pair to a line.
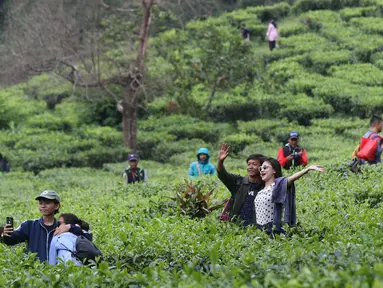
48,207
293,142
253,167
202,157
380,126
133,164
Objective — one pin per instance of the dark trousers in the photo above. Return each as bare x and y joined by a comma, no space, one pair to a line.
272,45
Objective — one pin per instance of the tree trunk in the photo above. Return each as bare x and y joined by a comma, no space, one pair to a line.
133,82
129,120
212,91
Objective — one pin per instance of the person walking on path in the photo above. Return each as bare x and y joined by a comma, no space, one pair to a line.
272,35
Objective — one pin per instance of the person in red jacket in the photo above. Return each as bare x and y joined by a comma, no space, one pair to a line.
292,155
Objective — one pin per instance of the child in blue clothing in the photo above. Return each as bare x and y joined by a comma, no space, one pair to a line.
63,245
202,165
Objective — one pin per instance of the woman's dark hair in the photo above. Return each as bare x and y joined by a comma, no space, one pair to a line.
70,218
276,166
258,157
274,24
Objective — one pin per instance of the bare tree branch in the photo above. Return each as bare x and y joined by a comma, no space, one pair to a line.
106,6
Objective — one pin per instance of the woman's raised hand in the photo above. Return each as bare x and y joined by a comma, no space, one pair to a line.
223,152
316,168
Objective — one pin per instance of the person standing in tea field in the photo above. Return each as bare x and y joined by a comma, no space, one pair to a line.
4,165
277,195
202,166
292,155
245,32
38,233
243,189
370,146
133,173
272,35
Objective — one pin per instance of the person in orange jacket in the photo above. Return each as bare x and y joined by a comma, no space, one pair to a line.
292,155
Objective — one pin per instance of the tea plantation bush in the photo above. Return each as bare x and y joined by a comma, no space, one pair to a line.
336,242
324,81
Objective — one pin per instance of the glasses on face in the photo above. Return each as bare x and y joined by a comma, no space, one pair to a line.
264,168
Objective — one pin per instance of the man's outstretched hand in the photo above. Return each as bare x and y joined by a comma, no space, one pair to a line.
223,152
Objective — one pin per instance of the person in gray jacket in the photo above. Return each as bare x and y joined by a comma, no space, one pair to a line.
243,189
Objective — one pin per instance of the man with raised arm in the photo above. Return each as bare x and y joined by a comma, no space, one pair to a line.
243,189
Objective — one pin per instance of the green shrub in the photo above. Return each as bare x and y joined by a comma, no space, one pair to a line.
238,142
283,70
349,13
319,61
50,121
15,108
302,108
304,83
307,42
365,74
264,128
235,107
266,13
306,5
293,30
369,24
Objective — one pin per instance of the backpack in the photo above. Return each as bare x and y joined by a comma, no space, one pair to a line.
368,147
86,251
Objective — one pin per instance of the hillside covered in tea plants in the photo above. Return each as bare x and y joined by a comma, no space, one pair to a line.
205,86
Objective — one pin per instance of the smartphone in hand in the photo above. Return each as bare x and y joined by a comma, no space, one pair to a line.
9,221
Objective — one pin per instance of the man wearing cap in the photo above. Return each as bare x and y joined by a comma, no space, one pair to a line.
39,232
133,173
292,155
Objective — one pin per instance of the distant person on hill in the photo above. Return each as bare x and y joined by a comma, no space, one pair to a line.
243,189
245,32
292,155
277,195
370,147
64,244
272,34
202,166
4,165
39,233
133,173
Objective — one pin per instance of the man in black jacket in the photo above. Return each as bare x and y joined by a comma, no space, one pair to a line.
243,189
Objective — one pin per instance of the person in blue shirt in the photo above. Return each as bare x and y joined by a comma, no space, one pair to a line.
63,245
202,165
38,233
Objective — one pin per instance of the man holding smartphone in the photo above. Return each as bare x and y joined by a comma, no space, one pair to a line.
292,155
39,233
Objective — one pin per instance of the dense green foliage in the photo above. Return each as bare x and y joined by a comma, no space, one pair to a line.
324,81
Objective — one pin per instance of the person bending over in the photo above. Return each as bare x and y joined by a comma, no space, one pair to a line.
63,245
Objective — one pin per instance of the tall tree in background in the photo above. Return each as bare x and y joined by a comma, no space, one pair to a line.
88,51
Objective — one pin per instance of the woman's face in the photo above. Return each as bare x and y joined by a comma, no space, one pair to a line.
60,221
267,171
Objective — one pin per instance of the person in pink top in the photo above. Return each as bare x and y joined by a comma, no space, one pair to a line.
272,34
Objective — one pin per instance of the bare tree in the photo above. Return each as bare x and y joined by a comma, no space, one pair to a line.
47,36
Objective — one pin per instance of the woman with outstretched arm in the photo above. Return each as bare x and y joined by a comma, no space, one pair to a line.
277,195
